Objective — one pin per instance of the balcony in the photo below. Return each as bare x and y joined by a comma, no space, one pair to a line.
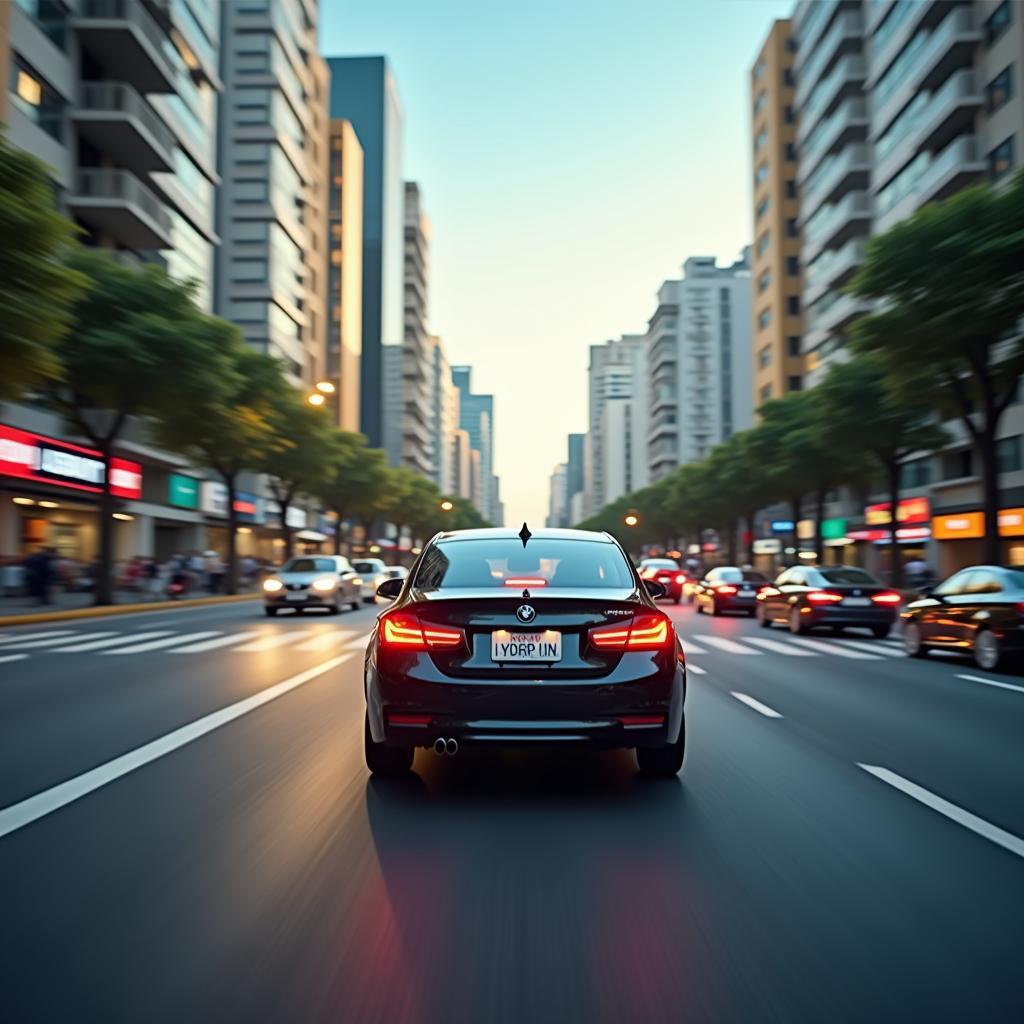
126,42
831,269
115,119
844,170
845,30
948,112
831,226
848,122
847,74
117,204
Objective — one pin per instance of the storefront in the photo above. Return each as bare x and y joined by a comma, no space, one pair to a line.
960,538
255,538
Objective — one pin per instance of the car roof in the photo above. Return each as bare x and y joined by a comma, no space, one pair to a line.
508,533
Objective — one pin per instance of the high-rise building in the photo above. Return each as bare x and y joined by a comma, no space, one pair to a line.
462,464
558,500
476,417
119,99
274,149
444,418
574,463
345,271
363,92
778,324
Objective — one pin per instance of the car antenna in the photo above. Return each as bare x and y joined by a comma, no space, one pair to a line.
524,534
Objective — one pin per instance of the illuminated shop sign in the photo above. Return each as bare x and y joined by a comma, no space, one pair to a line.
908,511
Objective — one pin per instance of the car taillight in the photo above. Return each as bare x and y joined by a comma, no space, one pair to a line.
526,581
726,588
763,587
402,629
1020,609
887,597
823,597
641,633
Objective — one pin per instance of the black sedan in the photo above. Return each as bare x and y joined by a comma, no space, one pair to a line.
978,611
501,638
805,596
727,588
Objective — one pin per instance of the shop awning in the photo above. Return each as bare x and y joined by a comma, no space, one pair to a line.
314,536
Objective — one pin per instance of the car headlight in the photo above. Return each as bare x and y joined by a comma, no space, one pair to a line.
324,584
358,581
272,586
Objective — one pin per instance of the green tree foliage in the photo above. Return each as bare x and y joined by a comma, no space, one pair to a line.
36,286
950,282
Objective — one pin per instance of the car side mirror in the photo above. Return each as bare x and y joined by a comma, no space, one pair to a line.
390,589
655,589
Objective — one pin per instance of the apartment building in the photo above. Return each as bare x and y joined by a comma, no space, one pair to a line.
444,408
345,271
778,323
476,417
558,500
274,157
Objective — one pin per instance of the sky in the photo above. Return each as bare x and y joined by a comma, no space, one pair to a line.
571,154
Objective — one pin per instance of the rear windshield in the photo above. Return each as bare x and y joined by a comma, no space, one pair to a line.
659,563
365,566
500,563
742,575
846,576
308,565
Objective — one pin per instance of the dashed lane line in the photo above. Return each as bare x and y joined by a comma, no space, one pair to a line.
991,682
690,647
761,709
696,669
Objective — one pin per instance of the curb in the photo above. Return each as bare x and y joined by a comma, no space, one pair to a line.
103,611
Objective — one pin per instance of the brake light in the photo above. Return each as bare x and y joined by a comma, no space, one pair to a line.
763,587
634,721
641,633
887,597
823,597
526,581
395,718
401,629
725,588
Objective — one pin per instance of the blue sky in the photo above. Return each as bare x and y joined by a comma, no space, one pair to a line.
572,153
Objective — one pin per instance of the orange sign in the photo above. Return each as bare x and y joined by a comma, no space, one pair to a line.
970,525
909,510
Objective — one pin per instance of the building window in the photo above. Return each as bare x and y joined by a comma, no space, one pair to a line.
1000,159
999,91
51,16
916,473
793,344
761,173
957,465
763,242
787,114
790,45
759,103
40,103
793,305
764,357
762,207
790,151
764,318
1008,457
792,231
792,265
998,22
760,139
787,76
764,280
795,383
790,189
765,392
758,69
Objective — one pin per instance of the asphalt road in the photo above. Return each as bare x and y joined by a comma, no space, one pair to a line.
187,833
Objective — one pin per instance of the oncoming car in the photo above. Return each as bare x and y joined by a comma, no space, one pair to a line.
501,638
312,581
373,574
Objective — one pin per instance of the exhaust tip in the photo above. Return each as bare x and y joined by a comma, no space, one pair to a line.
451,747
439,745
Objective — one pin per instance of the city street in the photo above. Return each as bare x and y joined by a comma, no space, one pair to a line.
188,832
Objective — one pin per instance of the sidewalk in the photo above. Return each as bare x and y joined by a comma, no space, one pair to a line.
64,602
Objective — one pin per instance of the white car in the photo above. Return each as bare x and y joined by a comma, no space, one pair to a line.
372,570
393,572
313,581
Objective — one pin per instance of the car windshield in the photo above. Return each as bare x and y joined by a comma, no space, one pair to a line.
365,566
308,565
499,562
847,575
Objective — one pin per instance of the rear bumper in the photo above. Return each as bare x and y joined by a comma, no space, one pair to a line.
873,616
736,603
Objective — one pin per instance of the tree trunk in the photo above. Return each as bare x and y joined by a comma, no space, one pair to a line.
750,517
732,542
337,532
895,558
232,576
103,592
819,519
986,449
796,511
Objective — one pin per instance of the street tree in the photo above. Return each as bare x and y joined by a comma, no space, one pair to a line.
950,286
353,482
37,286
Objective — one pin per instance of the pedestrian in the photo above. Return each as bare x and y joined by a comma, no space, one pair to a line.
214,571
151,576
39,568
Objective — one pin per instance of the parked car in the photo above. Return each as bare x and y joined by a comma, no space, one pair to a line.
727,588
806,596
372,572
313,581
667,572
978,610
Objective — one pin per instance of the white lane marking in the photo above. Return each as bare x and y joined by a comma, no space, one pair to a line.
726,645
51,641
326,639
268,643
689,647
49,800
984,828
18,638
873,648
12,657
892,641
760,708
167,641
696,669
779,647
992,682
117,638
843,652
209,645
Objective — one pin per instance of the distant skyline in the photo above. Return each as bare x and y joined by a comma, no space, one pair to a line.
571,157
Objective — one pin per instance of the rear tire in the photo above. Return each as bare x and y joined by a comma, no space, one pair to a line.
699,608
987,650
714,611
389,762
271,612
912,641
334,609
663,762
797,626
763,620
880,632
354,606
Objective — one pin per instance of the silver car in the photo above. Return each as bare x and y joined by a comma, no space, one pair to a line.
372,570
313,581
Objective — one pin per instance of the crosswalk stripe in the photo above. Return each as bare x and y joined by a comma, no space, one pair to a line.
53,641
843,652
696,669
12,657
779,647
16,640
326,639
691,648
110,641
166,641
210,645
268,643
726,645
867,645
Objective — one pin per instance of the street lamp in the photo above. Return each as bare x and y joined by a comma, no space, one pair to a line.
316,399
631,519
447,506
325,387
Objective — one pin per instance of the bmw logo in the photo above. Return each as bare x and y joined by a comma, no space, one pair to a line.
525,613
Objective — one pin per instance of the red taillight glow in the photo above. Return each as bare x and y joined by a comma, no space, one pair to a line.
887,597
642,633
395,718
404,630
823,597
526,581
726,588
631,721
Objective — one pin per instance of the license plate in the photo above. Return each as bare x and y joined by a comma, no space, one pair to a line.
746,593
856,602
297,597
542,647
